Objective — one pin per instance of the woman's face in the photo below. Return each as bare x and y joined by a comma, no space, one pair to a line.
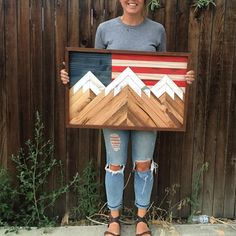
133,7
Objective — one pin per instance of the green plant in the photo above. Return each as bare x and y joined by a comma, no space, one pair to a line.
164,210
154,4
200,4
7,197
87,192
34,163
194,199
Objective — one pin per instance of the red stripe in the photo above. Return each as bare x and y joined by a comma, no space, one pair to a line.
179,83
150,70
149,58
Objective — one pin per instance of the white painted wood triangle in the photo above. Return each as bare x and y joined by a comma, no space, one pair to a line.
89,81
127,77
168,86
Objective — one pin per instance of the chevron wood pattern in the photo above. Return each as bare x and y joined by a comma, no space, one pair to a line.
128,102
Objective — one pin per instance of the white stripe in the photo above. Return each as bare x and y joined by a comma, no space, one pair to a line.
153,64
144,76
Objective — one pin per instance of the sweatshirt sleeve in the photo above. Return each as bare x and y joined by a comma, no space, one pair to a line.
99,43
162,45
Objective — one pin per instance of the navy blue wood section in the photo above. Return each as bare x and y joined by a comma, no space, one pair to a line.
82,62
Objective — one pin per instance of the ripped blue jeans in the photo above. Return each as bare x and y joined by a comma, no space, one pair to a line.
143,145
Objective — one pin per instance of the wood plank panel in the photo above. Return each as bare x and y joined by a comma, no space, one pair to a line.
229,69
48,65
24,76
3,92
170,24
112,9
205,27
31,55
36,55
212,107
85,19
13,119
73,140
187,40
97,16
223,112
59,117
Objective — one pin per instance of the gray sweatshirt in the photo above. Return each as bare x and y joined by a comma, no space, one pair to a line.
147,36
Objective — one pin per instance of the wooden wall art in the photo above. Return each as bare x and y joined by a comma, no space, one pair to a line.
126,90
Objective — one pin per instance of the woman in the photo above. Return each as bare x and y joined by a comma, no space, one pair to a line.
131,31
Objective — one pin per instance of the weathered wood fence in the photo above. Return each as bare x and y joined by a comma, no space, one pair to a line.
33,35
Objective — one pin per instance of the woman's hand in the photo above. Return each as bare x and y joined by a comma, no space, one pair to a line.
64,76
190,76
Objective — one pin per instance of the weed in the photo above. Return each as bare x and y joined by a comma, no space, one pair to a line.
86,190
34,164
194,199
7,197
200,4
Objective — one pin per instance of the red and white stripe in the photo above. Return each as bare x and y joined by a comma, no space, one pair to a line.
150,69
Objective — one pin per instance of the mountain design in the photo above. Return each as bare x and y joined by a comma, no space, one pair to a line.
126,102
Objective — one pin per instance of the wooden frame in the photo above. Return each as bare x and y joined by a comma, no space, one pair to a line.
126,89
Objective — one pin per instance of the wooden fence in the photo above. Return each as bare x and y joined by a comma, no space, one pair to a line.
33,36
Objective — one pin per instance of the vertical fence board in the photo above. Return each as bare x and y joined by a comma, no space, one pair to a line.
24,76
36,56
201,97
48,63
112,9
73,134
85,19
170,24
212,108
3,93
223,114
13,121
59,104
187,158
229,69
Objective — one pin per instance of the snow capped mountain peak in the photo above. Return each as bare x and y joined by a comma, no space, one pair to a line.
166,85
127,77
89,81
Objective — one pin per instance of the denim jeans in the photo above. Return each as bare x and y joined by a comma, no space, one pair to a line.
143,145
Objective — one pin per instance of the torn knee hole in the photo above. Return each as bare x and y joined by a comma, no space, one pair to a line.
143,166
115,141
115,167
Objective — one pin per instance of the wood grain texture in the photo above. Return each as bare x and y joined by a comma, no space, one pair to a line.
228,113
212,107
3,92
24,73
32,48
193,35
59,118
13,118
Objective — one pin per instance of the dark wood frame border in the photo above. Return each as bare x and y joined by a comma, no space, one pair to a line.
103,51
